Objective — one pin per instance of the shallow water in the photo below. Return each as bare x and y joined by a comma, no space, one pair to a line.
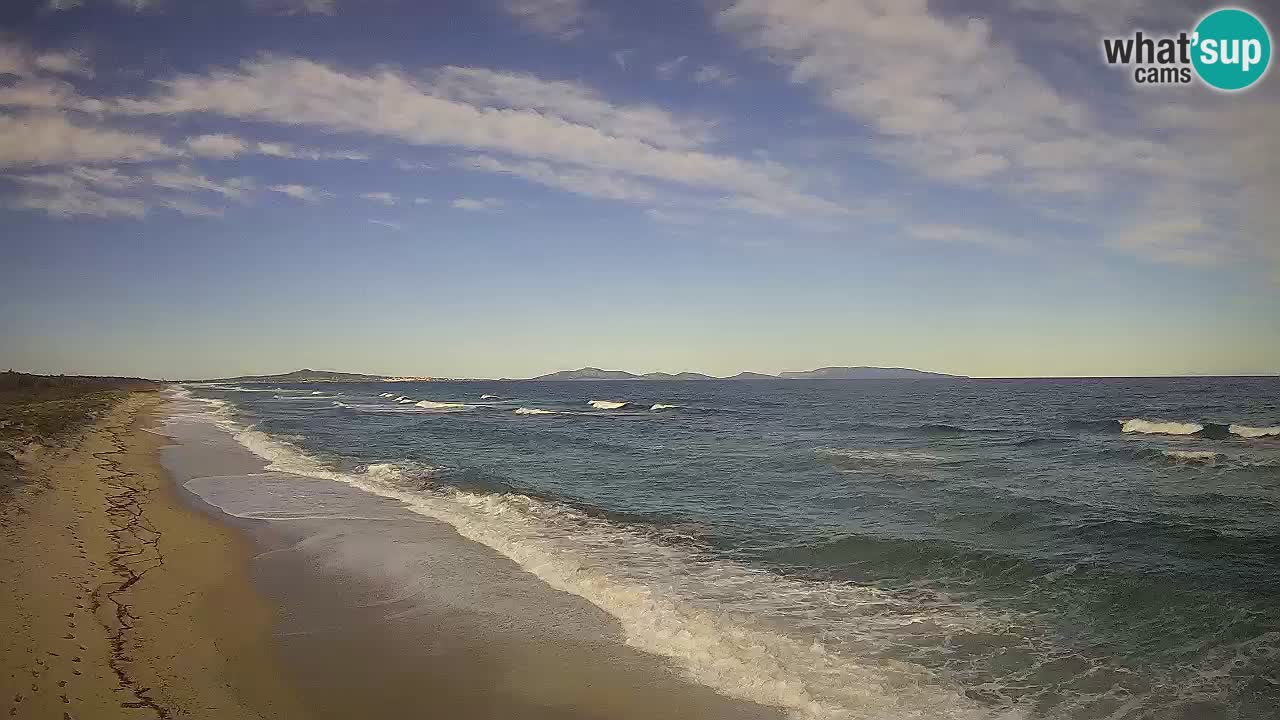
877,549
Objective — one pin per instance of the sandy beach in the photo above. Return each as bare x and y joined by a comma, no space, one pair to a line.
124,595
119,601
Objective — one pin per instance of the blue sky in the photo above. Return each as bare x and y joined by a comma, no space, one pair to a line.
510,187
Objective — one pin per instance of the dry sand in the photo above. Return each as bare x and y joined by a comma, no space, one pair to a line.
117,600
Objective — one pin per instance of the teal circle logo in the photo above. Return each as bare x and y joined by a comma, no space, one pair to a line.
1231,49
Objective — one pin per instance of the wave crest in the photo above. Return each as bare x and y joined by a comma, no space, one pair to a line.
1207,457
1245,431
1160,427
606,404
534,411
433,405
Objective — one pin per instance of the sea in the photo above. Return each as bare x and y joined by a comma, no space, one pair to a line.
1048,548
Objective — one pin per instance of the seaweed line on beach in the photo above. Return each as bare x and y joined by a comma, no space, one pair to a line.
135,552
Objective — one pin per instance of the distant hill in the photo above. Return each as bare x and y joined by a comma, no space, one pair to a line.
313,376
594,373
864,373
676,376
588,373
827,373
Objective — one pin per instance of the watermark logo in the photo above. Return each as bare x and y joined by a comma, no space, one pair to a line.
1229,49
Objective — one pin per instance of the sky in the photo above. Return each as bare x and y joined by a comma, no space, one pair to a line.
503,188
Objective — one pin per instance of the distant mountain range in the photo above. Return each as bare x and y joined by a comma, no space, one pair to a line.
316,376
590,373
826,373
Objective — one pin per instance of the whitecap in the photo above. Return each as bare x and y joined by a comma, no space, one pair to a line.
534,411
661,406
1245,431
606,404
433,405
1160,427
1193,456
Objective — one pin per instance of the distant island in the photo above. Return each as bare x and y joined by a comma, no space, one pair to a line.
826,373
591,373
316,376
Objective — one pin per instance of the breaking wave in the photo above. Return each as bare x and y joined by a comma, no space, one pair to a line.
433,405
1207,457
738,630
1160,427
1245,431
661,406
606,404
534,411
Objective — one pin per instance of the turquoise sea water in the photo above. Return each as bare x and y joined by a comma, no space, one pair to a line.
986,548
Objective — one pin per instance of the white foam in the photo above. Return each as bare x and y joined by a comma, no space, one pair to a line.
386,395
433,405
736,629
606,404
660,406
885,456
1253,432
1160,427
488,397
404,400
1195,456
317,392
534,411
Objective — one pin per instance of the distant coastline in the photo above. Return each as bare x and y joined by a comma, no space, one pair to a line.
592,373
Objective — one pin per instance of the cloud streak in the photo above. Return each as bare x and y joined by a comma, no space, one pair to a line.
301,92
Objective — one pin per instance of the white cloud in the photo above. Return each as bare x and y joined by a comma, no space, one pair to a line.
559,19
576,180
669,68
224,146
299,192
64,63
63,195
477,204
409,165
572,102
713,75
284,150
387,224
622,57
50,139
948,100
385,198
186,180
294,7
190,209
388,103
421,201
216,146
966,234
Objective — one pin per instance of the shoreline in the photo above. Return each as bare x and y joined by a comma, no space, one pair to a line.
176,607
385,612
